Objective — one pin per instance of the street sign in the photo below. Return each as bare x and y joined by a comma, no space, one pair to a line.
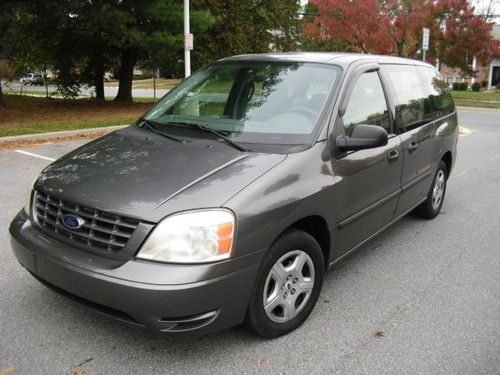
425,38
188,42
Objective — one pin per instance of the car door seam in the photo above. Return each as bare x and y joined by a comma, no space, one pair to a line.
349,220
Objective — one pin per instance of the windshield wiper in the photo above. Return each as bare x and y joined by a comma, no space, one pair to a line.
154,128
204,128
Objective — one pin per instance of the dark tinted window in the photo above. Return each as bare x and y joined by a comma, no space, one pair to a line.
409,96
366,104
439,101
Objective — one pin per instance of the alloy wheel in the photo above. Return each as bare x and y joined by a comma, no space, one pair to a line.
438,190
288,286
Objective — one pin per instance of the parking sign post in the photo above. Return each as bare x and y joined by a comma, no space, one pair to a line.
425,41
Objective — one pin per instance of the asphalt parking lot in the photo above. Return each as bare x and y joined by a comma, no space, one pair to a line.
432,288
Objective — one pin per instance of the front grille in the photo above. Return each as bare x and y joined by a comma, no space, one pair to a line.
100,230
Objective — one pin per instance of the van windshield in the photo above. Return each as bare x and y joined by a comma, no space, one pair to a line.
251,102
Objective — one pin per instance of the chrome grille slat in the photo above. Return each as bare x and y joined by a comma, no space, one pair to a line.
94,215
100,230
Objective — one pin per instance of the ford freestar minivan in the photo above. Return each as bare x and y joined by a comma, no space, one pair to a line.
229,199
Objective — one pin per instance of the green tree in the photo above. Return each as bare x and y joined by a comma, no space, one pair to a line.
151,31
45,35
98,29
6,71
251,26
81,39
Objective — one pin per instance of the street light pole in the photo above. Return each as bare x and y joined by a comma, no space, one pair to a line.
187,51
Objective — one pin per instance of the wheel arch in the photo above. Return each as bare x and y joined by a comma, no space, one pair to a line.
448,161
317,227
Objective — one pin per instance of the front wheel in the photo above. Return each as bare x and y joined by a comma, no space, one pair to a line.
288,285
435,198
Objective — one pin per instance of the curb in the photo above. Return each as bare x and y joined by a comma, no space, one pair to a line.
60,134
477,109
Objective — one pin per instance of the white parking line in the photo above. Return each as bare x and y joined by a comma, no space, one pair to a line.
34,155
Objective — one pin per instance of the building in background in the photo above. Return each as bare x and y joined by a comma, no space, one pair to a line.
489,74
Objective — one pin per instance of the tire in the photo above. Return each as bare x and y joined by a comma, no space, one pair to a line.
290,279
435,198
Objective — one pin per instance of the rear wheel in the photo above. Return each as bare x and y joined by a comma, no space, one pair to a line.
288,285
435,198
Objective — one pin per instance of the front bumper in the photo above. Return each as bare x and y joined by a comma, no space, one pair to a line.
161,297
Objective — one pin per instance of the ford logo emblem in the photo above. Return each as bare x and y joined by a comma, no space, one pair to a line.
72,221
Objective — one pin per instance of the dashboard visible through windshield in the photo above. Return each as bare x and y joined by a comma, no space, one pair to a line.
264,102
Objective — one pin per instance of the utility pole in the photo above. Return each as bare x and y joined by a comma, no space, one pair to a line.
188,41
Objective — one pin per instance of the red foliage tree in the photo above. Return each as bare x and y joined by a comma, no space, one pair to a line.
357,23
395,26
459,33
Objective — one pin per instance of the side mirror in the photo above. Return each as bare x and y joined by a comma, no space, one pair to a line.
362,137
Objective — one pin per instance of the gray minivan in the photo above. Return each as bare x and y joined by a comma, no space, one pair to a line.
230,198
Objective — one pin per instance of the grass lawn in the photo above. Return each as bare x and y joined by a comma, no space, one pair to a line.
476,99
28,115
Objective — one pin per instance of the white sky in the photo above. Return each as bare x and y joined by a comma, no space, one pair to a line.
481,5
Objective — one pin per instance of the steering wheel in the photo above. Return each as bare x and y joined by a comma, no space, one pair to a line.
307,112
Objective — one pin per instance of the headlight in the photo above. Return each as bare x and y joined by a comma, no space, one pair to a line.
29,196
191,237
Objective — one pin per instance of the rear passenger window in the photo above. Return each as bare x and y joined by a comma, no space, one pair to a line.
409,96
367,104
438,102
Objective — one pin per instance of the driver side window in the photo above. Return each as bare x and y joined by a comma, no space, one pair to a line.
367,104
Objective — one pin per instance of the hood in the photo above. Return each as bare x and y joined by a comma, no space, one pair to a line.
137,173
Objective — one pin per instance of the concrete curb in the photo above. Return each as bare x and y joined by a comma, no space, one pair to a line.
60,134
478,109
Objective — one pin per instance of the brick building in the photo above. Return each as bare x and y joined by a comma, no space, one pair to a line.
489,73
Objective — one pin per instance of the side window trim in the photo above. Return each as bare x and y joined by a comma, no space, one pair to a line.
391,101
346,95
388,103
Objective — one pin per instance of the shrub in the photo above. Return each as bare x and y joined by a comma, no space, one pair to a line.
460,86
484,84
476,86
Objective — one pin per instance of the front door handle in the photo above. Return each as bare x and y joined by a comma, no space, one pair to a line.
393,155
413,146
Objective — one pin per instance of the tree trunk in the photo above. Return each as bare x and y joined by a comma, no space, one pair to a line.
98,69
2,101
99,88
99,80
126,76
46,83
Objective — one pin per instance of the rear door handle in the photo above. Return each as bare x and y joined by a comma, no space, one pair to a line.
412,146
393,155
